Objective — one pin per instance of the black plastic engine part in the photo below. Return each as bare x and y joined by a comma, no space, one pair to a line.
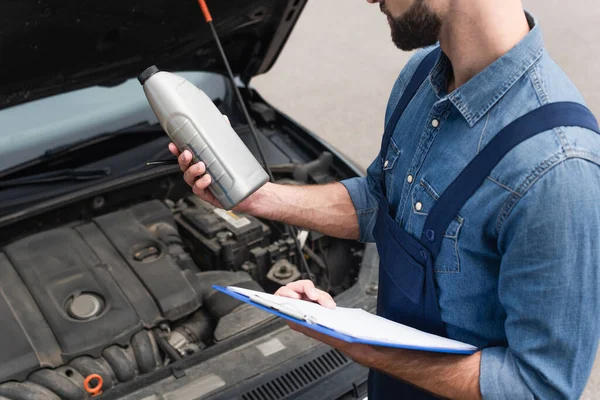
169,235
339,261
283,272
148,257
239,320
137,295
263,258
198,328
76,290
118,273
27,341
59,273
317,169
218,239
158,219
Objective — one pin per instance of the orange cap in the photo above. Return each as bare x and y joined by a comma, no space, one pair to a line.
97,388
205,10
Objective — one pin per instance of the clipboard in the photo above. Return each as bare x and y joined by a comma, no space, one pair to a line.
293,314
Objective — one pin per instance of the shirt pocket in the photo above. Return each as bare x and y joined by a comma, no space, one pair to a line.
424,197
388,163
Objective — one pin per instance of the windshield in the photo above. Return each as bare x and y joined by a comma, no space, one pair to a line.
31,129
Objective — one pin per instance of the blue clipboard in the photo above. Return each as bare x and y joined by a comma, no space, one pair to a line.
305,321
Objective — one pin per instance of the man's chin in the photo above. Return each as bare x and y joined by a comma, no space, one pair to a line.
403,45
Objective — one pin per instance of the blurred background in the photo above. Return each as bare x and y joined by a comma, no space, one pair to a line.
335,74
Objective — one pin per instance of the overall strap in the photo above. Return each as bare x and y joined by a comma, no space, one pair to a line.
415,83
542,119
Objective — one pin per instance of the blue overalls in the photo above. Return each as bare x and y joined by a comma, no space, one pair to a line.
407,287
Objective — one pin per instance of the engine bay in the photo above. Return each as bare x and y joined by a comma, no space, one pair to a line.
129,292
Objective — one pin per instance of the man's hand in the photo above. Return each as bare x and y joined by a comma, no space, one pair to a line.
323,208
447,375
306,290
195,175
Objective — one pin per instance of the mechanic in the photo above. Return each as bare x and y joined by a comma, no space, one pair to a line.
516,259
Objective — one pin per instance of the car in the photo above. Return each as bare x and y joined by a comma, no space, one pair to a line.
107,262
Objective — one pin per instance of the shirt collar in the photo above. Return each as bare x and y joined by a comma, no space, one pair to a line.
476,97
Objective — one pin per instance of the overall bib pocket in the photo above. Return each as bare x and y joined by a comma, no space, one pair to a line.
406,273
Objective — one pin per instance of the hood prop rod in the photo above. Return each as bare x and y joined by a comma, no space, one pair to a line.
289,229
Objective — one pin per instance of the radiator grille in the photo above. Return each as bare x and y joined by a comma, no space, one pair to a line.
298,378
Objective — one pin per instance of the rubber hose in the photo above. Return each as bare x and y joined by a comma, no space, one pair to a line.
219,304
146,352
66,382
204,280
166,346
26,391
120,362
198,328
59,383
87,366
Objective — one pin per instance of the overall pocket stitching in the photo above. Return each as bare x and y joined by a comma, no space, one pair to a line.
391,155
431,191
456,270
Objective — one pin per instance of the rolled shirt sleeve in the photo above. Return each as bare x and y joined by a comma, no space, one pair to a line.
549,286
364,192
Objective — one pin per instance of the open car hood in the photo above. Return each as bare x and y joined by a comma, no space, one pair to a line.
53,46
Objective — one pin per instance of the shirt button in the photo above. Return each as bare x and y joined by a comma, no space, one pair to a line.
409,179
435,123
418,206
385,164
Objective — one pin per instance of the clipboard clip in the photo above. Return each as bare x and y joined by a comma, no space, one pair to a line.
283,308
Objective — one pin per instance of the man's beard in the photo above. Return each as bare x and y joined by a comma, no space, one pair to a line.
418,27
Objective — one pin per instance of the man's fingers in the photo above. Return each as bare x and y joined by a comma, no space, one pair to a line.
193,172
184,159
201,184
304,286
287,292
203,194
325,299
307,288
173,149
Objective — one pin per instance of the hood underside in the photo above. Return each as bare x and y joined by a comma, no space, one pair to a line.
52,46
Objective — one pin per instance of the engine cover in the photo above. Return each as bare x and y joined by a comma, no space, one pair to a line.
76,290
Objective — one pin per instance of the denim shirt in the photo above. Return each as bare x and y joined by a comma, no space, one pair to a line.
518,272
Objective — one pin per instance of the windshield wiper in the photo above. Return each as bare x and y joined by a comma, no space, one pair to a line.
153,131
61,175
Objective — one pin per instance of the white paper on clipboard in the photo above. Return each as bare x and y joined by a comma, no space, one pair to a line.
359,324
